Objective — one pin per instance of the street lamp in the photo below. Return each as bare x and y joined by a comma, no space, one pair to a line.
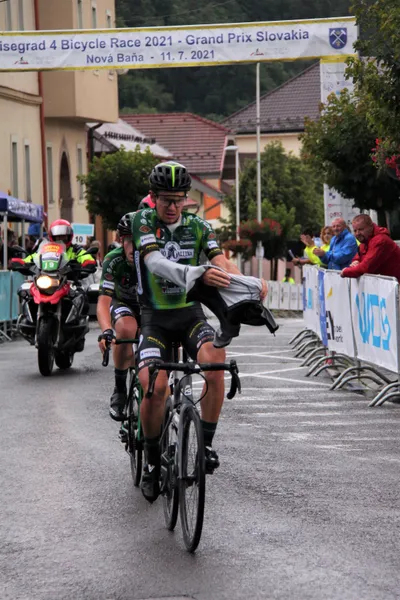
235,149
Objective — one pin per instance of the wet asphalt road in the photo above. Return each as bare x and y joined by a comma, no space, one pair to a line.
304,506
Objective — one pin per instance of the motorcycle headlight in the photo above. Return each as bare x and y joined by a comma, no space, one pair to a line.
44,282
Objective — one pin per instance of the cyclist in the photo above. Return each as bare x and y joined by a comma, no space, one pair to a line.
118,308
147,202
168,240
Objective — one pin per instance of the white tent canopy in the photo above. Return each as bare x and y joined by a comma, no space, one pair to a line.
110,137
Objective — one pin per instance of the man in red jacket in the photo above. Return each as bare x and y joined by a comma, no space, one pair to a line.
377,254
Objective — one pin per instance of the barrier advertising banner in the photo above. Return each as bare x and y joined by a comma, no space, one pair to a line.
374,313
183,46
5,296
310,300
273,294
284,296
338,314
322,310
294,297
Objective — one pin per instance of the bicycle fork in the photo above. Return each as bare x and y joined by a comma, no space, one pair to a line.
168,458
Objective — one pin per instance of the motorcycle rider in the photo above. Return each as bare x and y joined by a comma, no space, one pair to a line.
61,231
118,309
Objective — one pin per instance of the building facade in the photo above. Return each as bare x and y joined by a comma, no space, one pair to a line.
44,115
71,99
20,156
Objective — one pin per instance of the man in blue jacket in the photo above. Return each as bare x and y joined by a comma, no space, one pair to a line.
343,247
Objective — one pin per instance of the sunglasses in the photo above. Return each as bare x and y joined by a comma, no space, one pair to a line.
167,201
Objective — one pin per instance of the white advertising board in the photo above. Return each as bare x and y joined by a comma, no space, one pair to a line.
374,312
311,312
284,296
338,314
333,81
273,294
294,297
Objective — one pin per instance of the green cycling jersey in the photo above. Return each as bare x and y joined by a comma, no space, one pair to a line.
118,278
183,244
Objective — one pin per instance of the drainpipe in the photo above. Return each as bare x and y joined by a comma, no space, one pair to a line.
42,130
90,151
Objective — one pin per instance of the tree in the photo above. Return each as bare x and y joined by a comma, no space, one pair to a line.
116,183
339,146
210,91
377,76
285,182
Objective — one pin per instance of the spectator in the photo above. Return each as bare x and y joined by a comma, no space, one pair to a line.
288,277
96,244
310,258
377,254
326,236
343,247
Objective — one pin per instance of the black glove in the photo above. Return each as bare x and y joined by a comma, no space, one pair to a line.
108,336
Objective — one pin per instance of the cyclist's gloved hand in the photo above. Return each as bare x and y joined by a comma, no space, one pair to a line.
106,339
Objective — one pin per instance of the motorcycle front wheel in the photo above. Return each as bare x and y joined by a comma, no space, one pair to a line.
45,347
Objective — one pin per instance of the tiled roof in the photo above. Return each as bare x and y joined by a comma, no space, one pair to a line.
196,142
282,109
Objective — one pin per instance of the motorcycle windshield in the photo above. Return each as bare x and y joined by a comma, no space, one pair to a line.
51,256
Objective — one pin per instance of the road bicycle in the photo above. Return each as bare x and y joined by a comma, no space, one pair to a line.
183,464
130,433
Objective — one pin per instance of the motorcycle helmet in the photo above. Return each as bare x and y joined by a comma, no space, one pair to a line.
170,177
61,231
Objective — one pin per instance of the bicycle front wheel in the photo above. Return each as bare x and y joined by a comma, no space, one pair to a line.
135,447
192,484
169,482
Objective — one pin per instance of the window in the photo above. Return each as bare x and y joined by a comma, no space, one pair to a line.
50,182
80,13
80,172
8,16
94,16
28,184
21,15
14,168
108,19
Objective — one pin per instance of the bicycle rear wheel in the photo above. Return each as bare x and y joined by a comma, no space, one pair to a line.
135,447
169,482
192,485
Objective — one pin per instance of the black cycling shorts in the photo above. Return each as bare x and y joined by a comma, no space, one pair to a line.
119,310
160,328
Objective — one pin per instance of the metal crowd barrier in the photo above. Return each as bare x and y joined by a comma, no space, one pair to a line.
9,302
353,326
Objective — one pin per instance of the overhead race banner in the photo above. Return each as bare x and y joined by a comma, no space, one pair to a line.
374,307
185,46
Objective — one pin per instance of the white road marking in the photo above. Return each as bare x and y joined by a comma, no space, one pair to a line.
260,355
291,380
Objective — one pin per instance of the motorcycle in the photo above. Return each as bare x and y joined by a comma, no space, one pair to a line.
54,312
